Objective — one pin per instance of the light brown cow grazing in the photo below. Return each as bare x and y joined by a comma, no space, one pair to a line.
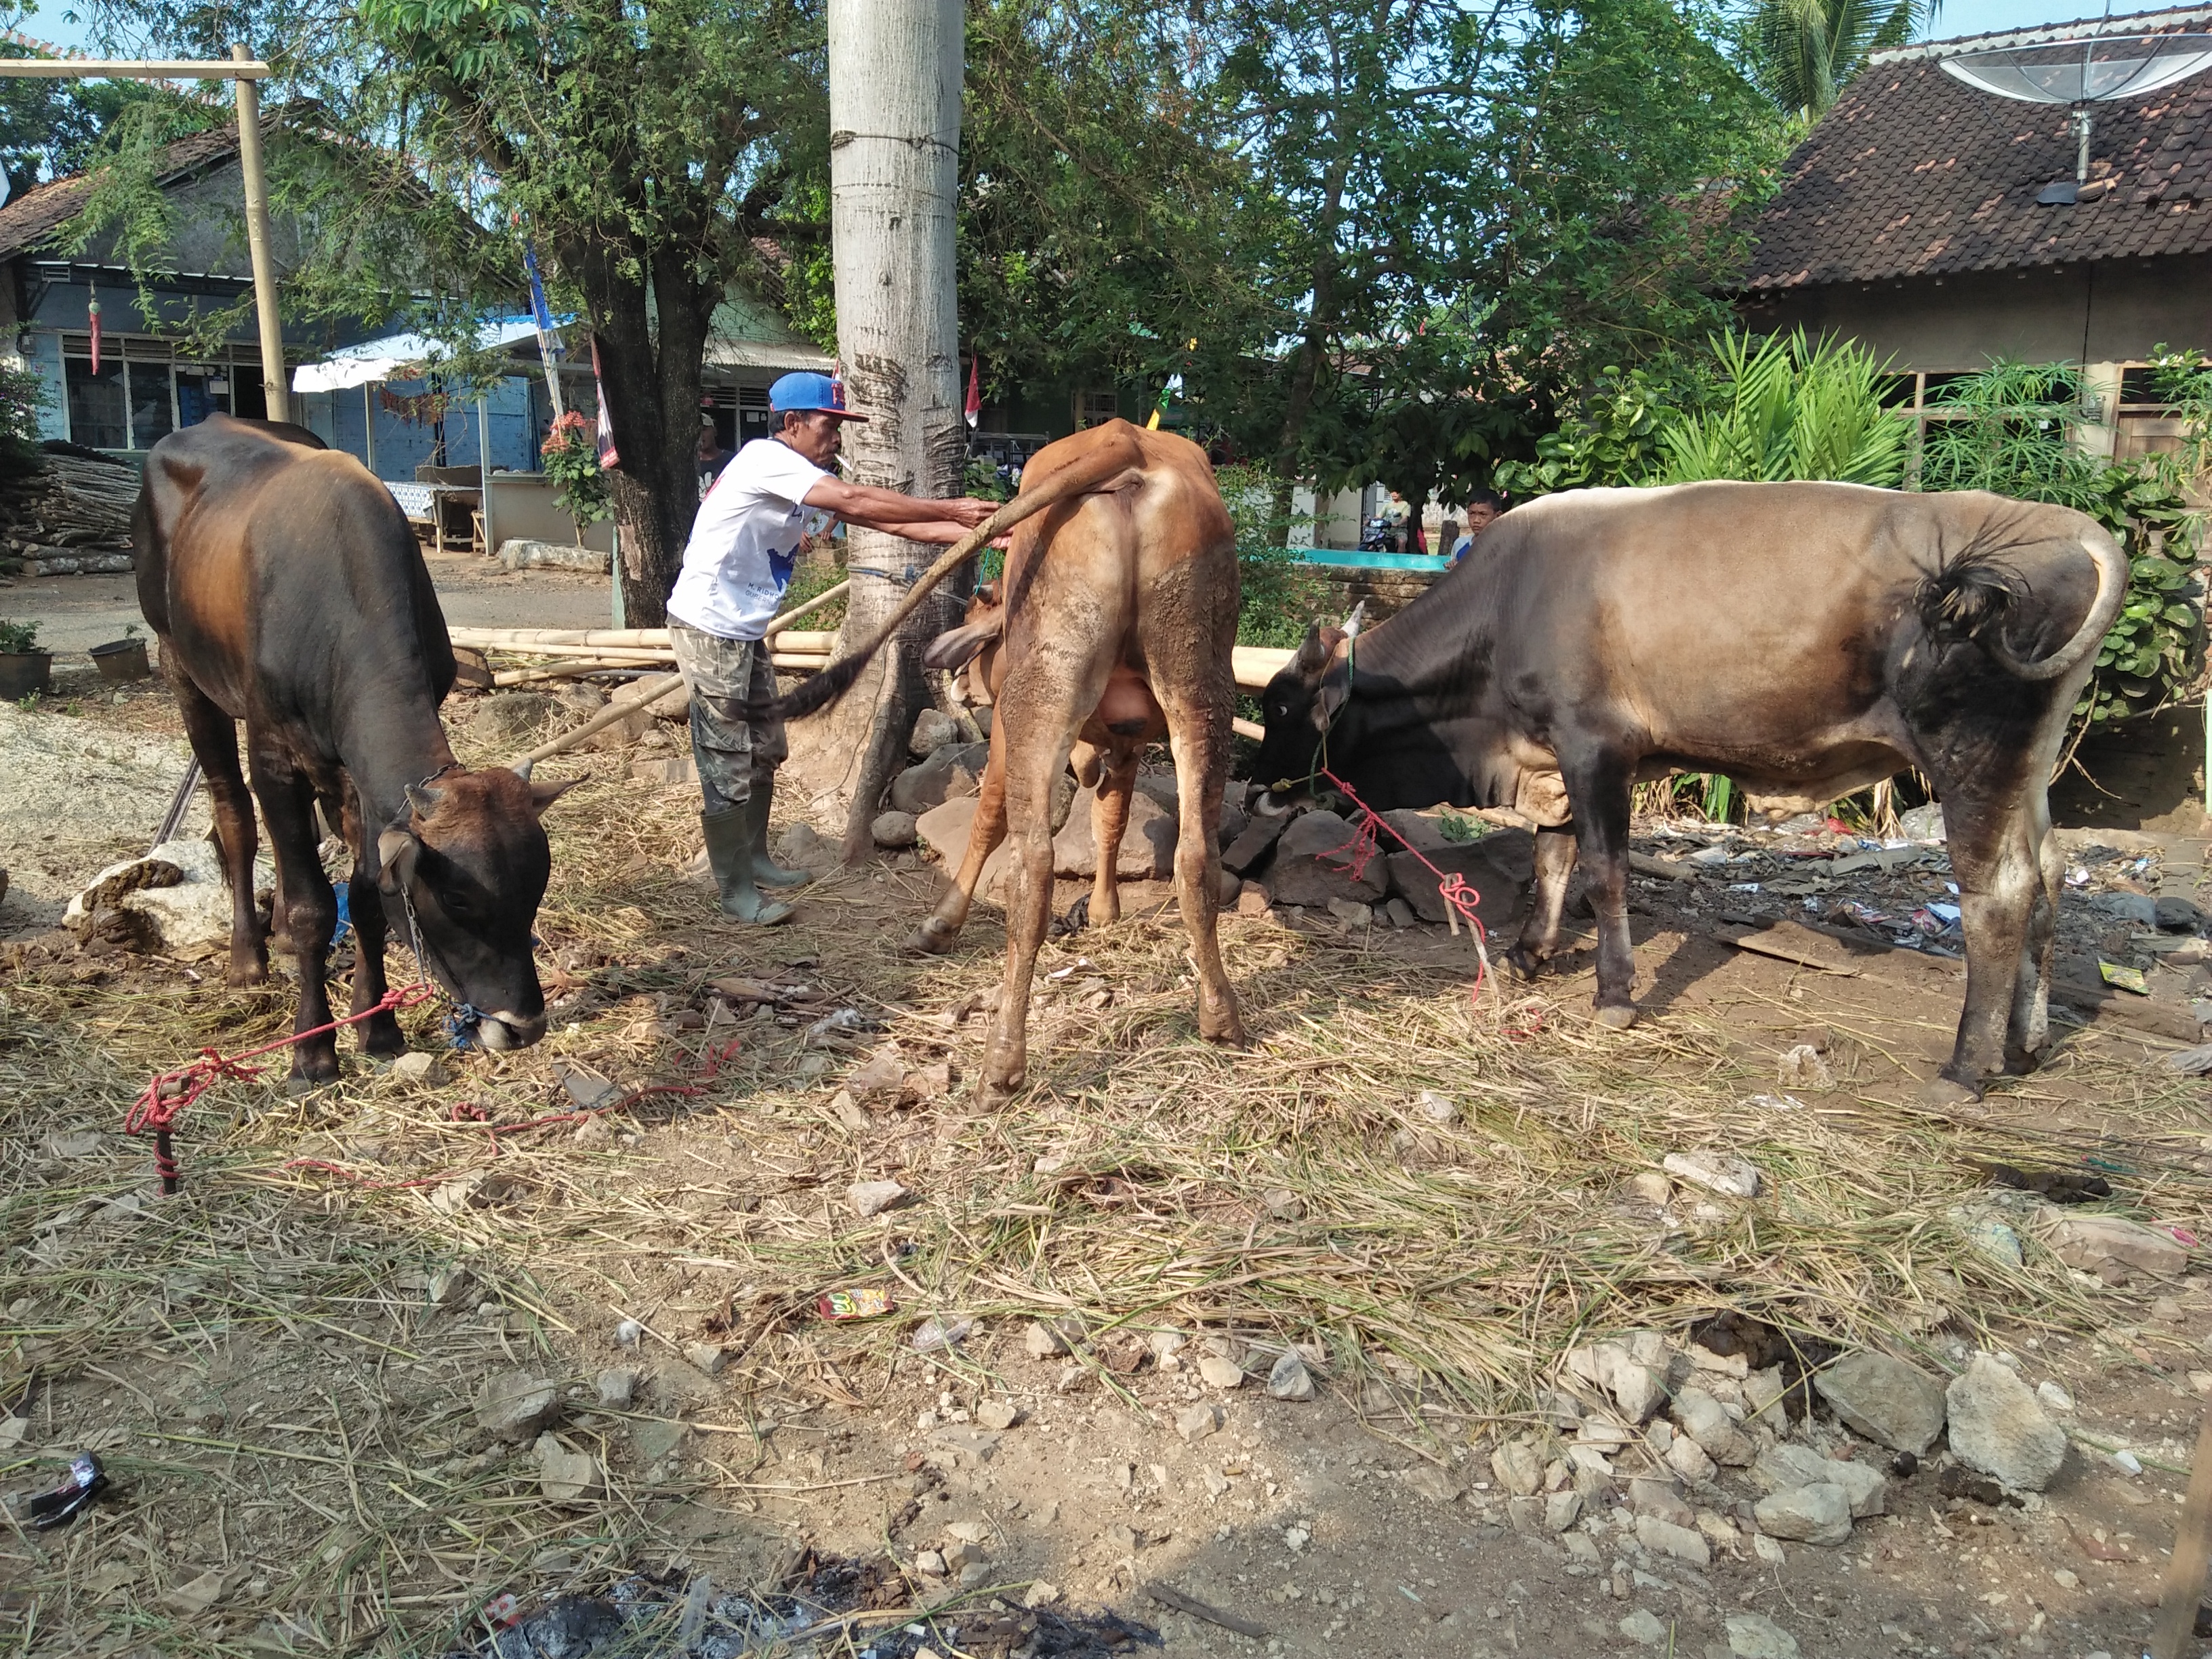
1125,560
1104,757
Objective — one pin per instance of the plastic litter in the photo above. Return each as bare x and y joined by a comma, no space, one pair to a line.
87,1480
2125,979
871,1301
845,1022
2191,1062
944,1331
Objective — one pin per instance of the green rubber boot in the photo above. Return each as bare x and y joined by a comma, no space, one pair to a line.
730,854
766,871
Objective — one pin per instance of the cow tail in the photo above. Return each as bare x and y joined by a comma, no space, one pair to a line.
1973,598
1092,473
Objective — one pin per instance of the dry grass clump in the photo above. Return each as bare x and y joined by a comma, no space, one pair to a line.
1433,1193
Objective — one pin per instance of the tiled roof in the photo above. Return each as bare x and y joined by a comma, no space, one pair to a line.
1916,173
30,218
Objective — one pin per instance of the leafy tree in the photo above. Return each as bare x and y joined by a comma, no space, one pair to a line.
645,148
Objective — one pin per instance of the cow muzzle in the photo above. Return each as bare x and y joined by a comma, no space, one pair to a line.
502,1031
1271,803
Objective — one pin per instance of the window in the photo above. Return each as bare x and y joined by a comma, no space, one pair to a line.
146,380
203,389
1095,408
97,410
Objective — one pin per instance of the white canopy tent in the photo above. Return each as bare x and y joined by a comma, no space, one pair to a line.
408,357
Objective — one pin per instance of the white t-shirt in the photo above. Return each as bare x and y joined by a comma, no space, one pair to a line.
745,541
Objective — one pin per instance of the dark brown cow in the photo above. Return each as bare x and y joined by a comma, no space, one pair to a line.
288,593
1125,558
1805,638
1105,755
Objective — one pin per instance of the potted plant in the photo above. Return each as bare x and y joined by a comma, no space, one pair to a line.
25,670
122,659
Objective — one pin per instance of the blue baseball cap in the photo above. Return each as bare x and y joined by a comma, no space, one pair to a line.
806,393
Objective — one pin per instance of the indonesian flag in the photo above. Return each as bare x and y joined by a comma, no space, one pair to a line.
973,407
92,311
609,461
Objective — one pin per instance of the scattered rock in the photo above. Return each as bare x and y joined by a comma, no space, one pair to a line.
2054,1396
1754,1636
1289,1379
654,1438
1399,912
1809,1515
1690,1461
1657,1498
1497,893
1665,1537
616,1389
1786,1468
1998,1427
1043,1341
707,1357
1518,1469
1643,1628
1562,1509
1220,1372
1637,1388
1148,841
591,1091
1886,1399
563,1476
870,1198
1000,1414
1309,867
514,1405
2088,1242
1718,1172
882,1074
1041,1594
930,1563
1768,1549
1194,1423
954,770
1352,913
932,729
422,1068
893,829
1435,1484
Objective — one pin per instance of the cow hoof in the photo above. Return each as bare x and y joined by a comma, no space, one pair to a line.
933,938
1944,1094
1520,964
311,1071
1617,1017
2020,1062
382,1038
1227,1031
254,971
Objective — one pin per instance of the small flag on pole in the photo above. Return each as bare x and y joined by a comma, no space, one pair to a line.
609,461
974,408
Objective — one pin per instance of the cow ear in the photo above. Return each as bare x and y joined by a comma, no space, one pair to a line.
395,858
1311,655
959,647
543,795
989,594
424,798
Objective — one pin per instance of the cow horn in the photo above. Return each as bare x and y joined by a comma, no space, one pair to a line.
1352,621
522,768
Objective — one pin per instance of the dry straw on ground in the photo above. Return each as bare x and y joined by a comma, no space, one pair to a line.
1299,1192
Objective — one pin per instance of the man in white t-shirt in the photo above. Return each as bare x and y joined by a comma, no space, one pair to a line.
743,545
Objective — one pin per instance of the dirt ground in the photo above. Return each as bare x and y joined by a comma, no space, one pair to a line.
285,1368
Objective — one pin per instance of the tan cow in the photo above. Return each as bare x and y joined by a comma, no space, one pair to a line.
1123,571
1104,757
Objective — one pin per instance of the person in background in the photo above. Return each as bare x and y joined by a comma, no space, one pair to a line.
1482,513
739,559
1396,514
713,457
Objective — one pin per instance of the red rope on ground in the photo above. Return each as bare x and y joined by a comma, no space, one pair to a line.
157,1108
1461,899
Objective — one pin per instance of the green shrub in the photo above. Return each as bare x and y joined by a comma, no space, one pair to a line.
17,637
570,459
1281,596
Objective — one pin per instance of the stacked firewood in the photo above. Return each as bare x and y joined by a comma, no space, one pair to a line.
72,515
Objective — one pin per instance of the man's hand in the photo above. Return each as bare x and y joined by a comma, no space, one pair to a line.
970,510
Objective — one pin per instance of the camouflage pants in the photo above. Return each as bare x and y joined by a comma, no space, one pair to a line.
733,753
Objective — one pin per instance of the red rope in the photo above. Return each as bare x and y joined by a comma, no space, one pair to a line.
1461,899
158,1106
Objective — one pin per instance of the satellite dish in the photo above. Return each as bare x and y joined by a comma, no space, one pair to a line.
2096,68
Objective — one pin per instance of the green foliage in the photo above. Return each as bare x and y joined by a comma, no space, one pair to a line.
1789,409
1281,596
1802,51
2008,431
1461,827
23,394
48,128
17,638
1610,437
813,576
570,457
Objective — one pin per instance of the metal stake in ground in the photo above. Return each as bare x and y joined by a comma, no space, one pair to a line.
2193,1551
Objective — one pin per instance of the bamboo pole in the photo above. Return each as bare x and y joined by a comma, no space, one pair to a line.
240,68
275,380
652,692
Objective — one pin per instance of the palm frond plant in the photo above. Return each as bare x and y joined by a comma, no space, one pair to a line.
1803,51
1792,408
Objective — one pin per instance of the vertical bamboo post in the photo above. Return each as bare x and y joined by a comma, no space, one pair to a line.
483,469
2192,1546
368,425
274,380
